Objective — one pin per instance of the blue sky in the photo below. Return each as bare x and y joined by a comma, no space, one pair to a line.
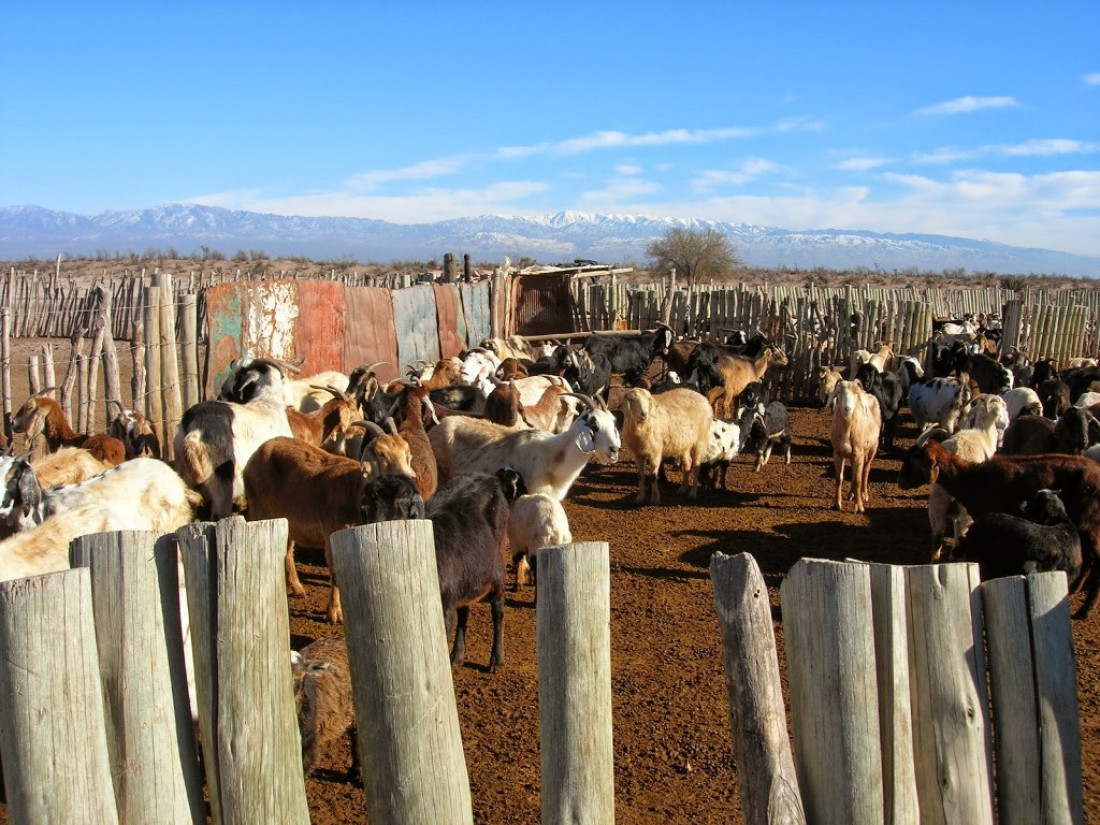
978,120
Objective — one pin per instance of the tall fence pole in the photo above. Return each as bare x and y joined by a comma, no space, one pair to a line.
169,365
53,739
239,620
414,770
573,630
136,589
154,402
827,625
758,721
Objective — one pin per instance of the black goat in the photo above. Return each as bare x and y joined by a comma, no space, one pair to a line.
1044,539
887,388
770,429
1072,433
469,515
626,352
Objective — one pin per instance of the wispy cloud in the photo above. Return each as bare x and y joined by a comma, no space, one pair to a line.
628,169
1045,147
864,164
965,105
1092,79
425,170
745,172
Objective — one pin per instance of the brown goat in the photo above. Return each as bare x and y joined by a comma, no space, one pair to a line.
422,459
856,424
738,371
323,426
134,430
999,484
43,416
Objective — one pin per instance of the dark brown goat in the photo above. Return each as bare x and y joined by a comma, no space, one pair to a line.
1036,434
999,484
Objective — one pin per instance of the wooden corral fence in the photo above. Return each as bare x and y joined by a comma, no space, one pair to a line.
917,695
343,323
892,718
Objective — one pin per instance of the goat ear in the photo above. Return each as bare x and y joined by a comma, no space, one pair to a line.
29,491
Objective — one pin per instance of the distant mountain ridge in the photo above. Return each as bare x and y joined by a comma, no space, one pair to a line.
27,231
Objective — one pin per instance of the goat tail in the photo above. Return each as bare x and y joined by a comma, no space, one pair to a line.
193,461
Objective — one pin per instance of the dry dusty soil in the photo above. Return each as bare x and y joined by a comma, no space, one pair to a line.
673,751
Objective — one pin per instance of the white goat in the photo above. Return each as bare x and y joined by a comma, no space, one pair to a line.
548,463
856,425
675,424
535,520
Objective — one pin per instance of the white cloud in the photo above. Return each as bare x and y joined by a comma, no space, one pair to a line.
965,105
1092,79
1048,147
865,164
746,171
427,169
628,169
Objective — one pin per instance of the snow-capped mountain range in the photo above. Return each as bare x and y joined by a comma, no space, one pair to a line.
34,231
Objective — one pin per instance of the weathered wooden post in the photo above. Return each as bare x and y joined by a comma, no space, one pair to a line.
169,365
236,600
895,705
154,405
573,627
136,591
189,343
950,710
467,268
112,392
827,625
448,268
5,368
410,745
1037,734
758,720
137,378
53,739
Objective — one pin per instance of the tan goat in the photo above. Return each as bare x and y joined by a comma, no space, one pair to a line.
854,435
674,424
738,371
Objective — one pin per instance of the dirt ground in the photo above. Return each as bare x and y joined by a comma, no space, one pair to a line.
673,751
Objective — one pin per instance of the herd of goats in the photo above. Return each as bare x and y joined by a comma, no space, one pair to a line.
486,445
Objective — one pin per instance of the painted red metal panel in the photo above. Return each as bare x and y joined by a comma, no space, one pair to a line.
321,326
449,321
369,333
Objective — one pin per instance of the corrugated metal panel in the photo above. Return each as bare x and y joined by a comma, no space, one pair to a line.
449,321
476,312
369,333
245,318
414,318
542,304
320,335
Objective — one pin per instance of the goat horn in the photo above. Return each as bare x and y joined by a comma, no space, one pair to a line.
288,366
370,427
587,399
343,396
42,393
370,367
390,423
118,404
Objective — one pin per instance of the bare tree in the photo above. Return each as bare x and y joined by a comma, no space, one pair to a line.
694,253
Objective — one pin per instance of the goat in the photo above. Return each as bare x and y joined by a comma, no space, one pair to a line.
23,480
855,430
887,390
41,415
135,432
1035,434
319,493
323,700
1054,395
770,428
1021,400
421,457
327,424
997,485
536,520
1044,539
737,372
976,442
727,437
937,401
216,438
548,463
624,353
675,423
469,515
827,378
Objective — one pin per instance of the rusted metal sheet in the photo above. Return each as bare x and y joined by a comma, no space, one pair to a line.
256,319
449,320
320,334
369,331
414,318
476,312
541,304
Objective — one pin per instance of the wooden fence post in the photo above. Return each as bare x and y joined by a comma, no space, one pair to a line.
827,625
758,719
236,600
136,590
154,406
895,705
404,693
53,739
1037,734
189,344
169,365
951,710
573,627
5,368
